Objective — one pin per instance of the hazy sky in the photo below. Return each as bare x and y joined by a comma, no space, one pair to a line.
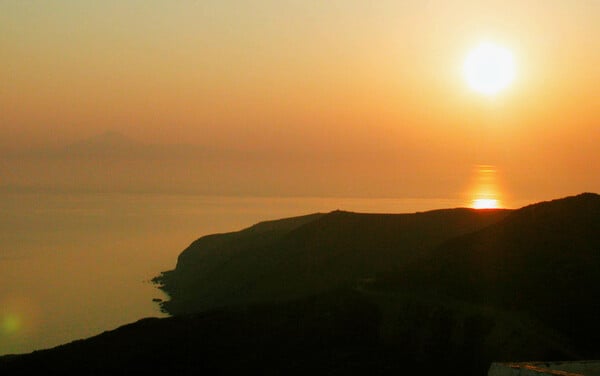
347,97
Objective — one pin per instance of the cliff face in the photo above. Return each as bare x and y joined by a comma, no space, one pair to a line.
296,257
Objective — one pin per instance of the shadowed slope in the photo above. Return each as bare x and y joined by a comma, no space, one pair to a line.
337,333
542,260
300,256
300,337
523,286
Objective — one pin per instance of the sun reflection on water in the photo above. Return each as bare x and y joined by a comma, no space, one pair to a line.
485,193
485,203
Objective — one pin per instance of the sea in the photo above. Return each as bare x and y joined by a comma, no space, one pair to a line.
73,265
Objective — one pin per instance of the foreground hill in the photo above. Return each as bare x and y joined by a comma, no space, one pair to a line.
522,287
542,260
337,333
295,257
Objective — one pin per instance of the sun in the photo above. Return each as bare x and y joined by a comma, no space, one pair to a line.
489,68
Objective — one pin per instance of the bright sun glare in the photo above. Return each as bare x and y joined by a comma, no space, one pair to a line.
489,68
485,192
485,203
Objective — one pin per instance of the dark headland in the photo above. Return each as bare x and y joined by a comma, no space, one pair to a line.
444,291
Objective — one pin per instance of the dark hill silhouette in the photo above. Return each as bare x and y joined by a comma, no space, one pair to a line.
542,261
460,289
329,333
301,256
337,333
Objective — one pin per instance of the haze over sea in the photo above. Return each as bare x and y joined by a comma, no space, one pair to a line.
75,265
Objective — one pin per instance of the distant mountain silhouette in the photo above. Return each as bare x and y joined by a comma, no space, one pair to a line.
109,143
115,145
112,144
443,292
113,162
300,256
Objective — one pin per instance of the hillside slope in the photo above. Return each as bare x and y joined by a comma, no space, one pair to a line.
300,256
509,286
337,333
542,261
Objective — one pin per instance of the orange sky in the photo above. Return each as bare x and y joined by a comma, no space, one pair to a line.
330,97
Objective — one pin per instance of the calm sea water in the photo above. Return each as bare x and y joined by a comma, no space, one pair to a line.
75,265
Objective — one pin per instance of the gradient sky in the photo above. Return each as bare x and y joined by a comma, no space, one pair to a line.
329,97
